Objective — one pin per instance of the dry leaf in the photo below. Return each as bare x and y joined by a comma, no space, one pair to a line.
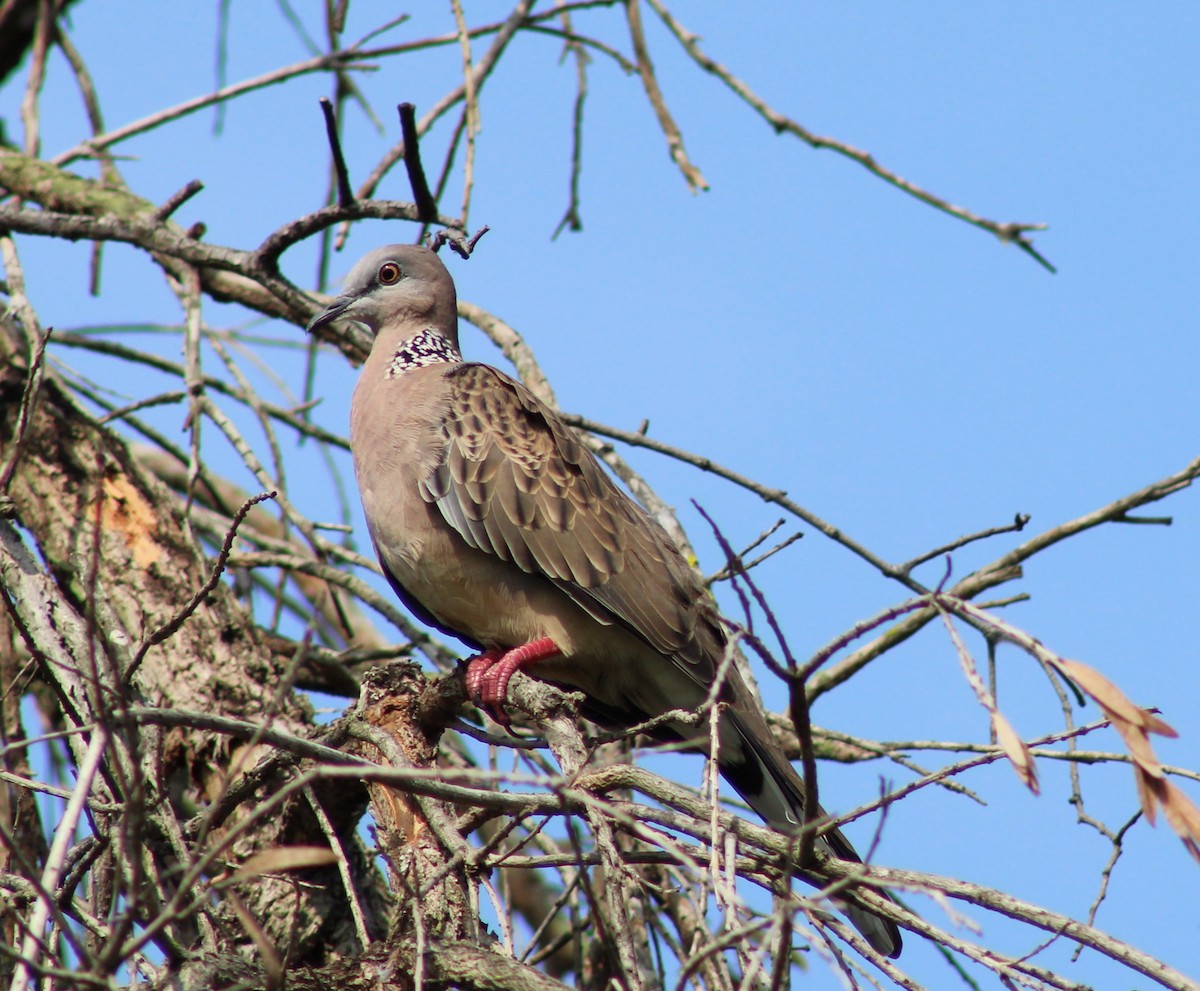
1018,753
1183,816
1012,745
271,961
1133,723
1112,700
283,858
1146,794
1138,745
1156,725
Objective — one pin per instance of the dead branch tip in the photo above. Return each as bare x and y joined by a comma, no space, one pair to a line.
459,243
422,197
345,193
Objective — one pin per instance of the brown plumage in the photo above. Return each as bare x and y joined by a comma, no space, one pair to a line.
495,524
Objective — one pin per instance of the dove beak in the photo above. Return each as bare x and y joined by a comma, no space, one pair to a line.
332,312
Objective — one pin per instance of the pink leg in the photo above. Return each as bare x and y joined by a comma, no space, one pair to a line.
489,673
477,667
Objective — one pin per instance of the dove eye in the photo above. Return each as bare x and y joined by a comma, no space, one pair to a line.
389,274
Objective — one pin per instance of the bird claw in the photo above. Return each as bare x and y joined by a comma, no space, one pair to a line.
489,673
480,682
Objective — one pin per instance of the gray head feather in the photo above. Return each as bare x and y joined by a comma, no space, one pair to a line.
400,288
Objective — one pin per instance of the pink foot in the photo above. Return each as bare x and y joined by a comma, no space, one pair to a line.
489,673
477,667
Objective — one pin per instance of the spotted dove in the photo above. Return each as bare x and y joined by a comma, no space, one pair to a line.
495,525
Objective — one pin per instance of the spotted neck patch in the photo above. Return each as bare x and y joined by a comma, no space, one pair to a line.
426,348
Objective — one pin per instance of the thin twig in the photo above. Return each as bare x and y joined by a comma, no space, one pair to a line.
462,245
1118,848
695,179
505,31
339,852
91,105
345,194
1011,233
321,63
571,219
470,106
43,31
64,835
775,496
426,204
177,199
33,383
724,573
169,629
1016,526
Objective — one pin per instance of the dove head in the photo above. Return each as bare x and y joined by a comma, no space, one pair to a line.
397,291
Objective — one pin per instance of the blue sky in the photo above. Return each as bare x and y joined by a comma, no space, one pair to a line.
899,373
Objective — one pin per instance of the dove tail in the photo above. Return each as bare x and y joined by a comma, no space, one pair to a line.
771,786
